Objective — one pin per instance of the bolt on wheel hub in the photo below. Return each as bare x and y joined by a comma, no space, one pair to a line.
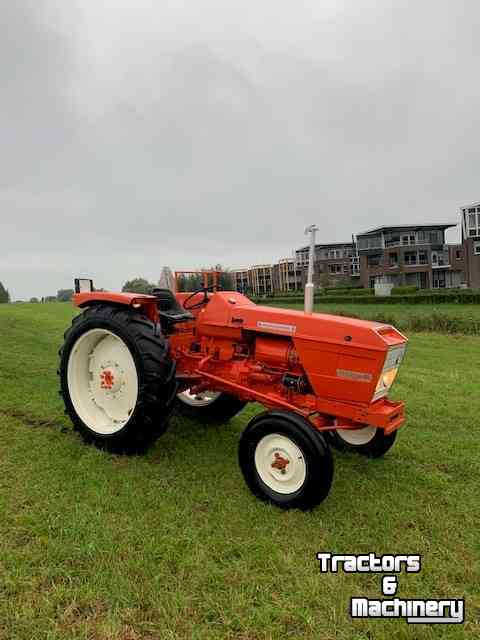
279,462
112,377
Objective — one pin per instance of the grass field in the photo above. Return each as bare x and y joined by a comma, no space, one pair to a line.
444,318
172,545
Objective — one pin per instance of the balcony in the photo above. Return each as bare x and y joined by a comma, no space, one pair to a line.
441,259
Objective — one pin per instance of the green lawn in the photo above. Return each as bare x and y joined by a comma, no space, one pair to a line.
172,545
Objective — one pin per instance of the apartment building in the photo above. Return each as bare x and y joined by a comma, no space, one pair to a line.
260,279
415,255
332,262
287,275
470,222
240,279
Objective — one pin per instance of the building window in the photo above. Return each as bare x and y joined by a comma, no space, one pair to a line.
410,257
476,248
335,268
458,254
435,237
393,259
374,261
422,257
370,242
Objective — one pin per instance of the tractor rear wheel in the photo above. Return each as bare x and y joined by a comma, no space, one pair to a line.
208,406
285,461
117,378
368,441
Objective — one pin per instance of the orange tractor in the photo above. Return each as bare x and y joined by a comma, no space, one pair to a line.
130,359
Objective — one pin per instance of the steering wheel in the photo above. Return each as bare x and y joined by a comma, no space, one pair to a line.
204,300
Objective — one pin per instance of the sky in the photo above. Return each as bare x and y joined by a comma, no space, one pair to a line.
137,135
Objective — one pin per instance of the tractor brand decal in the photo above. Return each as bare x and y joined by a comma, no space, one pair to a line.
354,375
414,611
277,326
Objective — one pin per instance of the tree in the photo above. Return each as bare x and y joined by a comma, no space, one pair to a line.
226,281
194,281
64,295
33,299
4,295
138,285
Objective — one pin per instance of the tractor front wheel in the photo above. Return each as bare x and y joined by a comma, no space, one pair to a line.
117,378
368,441
285,461
208,406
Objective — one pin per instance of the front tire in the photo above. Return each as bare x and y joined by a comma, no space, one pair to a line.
117,379
367,440
285,461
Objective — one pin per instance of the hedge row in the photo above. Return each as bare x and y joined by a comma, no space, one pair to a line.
460,297
347,292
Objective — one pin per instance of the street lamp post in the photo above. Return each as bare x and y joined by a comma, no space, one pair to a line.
309,287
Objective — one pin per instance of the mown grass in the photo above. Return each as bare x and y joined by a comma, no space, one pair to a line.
172,545
442,318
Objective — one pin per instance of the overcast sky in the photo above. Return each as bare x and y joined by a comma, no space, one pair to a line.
137,134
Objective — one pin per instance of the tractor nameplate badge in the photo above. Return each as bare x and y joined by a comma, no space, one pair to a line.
354,375
277,326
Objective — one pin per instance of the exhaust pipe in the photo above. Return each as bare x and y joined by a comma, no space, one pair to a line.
309,287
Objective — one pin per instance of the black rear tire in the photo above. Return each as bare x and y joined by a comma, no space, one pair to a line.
221,409
310,448
155,371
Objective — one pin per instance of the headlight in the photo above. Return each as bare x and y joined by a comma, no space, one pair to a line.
389,372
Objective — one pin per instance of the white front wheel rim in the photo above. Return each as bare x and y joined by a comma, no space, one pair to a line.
357,437
280,463
201,399
102,381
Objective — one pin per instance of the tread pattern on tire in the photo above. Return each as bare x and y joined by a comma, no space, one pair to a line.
155,369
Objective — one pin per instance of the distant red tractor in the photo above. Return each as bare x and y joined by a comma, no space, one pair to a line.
130,359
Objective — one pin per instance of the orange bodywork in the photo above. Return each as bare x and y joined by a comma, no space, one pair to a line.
323,367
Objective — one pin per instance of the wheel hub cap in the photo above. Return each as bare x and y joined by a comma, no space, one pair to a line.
280,463
111,377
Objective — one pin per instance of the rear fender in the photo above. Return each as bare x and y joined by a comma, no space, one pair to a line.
147,304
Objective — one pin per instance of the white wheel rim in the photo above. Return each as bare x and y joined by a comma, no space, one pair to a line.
280,463
202,399
357,437
102,381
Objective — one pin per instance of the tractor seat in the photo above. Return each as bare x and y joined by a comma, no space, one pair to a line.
169,308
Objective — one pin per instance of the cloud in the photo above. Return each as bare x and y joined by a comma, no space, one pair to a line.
141,134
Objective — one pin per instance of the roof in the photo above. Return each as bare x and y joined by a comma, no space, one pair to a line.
412,227
328,246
